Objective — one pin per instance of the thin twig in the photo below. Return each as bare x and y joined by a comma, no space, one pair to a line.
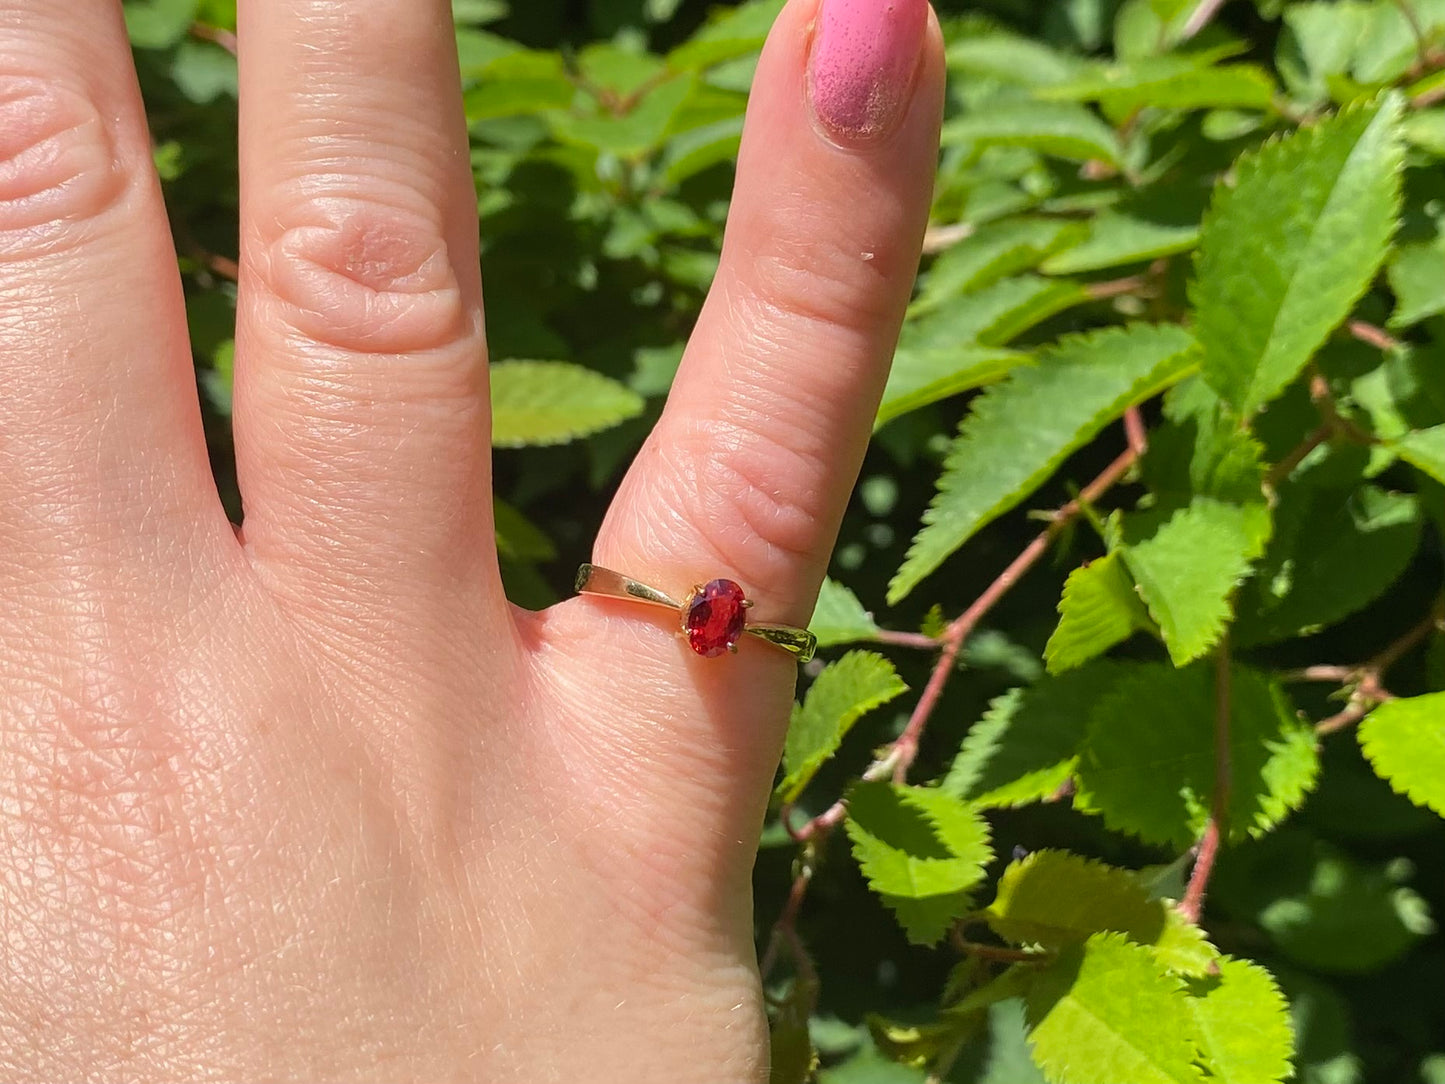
1133,284
1285,467
919,640
1422,43
1135,432
1193,903
1200,18
905,748
1373,335
938,238
214,34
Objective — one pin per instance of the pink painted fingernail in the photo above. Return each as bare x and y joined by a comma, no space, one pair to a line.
864,56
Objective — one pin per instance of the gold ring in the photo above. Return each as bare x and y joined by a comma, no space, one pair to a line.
712,617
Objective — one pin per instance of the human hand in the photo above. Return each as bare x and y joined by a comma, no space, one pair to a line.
310,800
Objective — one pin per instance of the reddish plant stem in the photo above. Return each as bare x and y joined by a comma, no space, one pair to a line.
907,639
785,929
1285,467
214,34
1373,335
1102,291
1193,902
905,748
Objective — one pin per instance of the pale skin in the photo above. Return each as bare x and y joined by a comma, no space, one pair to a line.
310,800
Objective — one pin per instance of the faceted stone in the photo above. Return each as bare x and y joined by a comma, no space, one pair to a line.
714,617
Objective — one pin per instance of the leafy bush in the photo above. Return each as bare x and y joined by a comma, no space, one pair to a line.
1185,290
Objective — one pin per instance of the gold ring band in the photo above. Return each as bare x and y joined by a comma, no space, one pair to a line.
712,617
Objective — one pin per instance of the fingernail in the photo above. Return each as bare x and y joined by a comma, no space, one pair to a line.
860,76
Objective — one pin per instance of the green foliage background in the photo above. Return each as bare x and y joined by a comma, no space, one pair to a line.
1225,226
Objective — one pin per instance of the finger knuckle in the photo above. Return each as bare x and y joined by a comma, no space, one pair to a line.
757,494
58,165
823,280
363,274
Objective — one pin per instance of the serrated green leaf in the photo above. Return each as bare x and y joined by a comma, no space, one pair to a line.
1148,761
1116,239
996,250
1405,741
552,402
1334,551
1424,449
1098,610
839,618
1103,1011
1024,749
1019,431
921,850
1243,1025
1319,42
993,315
1168,83
1054,898
1059,129
1189,568
842,694
1417,279
923,376
697,149
1287,250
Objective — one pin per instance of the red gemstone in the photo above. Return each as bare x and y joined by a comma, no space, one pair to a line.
714,617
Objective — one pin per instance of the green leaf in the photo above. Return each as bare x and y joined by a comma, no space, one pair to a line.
839,618
698,149
1013,59
1116,239
1099,609
923,376
792,1058
842,694
1424,449
521,82
1168,83
1021,430
921,850
1025,748
1189,568
1405,741
1060,129
1333,552
1148,762
1243,1024
1289,248
518,538
734,33
158,24
1103,1011
1054,898
996,250
1321,907
993,315
637,132
1417,278
552,402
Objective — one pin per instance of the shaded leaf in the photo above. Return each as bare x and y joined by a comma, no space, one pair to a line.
842,694
996,250
1019,431
1148,761
921,850
1416,274
1169,82
1116,239
1024,749
1289,248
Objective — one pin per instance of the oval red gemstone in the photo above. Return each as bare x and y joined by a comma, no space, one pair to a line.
714,618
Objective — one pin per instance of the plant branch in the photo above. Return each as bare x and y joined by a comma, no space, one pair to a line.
1200,18
919,640
905,748
1193,902
214,34
1373,335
